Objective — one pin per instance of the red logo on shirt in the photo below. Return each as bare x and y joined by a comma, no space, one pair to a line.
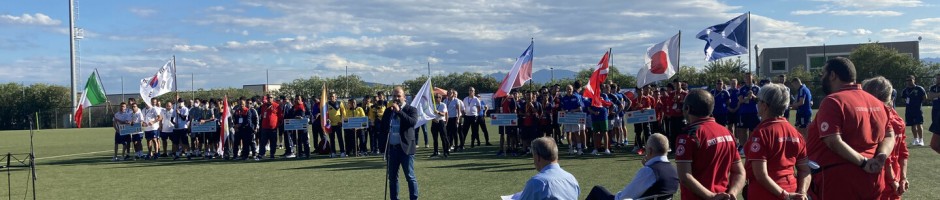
680,150
824,126
755,147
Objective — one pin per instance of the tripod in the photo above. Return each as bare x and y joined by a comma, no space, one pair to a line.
28,162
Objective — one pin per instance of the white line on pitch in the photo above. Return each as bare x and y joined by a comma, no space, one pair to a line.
73,154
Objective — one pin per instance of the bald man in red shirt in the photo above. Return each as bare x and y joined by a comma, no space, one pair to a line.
849,138
707,160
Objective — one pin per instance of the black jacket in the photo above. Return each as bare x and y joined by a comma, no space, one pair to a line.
407,117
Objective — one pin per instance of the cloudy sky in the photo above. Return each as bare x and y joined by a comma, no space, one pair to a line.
231,43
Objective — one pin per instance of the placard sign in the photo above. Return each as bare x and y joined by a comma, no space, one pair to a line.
295,124
572,117
207,127
640,116
130,129
356,122
504,119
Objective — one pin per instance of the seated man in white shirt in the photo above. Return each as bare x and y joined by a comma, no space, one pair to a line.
657,178
551,182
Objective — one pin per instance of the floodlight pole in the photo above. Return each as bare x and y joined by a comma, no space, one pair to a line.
72,55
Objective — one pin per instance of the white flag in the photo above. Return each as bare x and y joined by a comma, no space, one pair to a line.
160,83
661,62
424,102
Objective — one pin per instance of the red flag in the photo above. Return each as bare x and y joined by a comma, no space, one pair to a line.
226,113
520,73
593,88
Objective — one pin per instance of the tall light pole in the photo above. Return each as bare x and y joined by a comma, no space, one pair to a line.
72,53
552,69
757,58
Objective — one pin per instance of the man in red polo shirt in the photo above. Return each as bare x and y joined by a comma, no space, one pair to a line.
708,162
268,134
849,138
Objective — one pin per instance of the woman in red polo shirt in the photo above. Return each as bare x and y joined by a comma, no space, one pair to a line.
773,150
895,178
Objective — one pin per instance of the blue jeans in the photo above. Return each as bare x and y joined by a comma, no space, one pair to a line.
398,159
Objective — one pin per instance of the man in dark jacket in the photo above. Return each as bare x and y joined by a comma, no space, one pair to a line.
246,124
399,120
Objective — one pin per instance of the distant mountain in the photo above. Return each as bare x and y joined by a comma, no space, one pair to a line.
542,76
931,60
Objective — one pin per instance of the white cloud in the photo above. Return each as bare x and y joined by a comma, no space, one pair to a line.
195,62
28,19
143,12
925,22
452,51
868,13
876,3
861,31
216,8
192,48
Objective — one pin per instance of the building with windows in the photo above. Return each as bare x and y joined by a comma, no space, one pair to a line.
775,61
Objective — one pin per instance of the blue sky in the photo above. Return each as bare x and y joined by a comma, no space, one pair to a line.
232,43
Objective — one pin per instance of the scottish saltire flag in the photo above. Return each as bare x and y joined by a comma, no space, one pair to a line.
728,39
520,73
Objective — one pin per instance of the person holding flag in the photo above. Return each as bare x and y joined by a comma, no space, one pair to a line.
599,104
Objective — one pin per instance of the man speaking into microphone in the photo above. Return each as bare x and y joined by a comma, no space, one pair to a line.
399,120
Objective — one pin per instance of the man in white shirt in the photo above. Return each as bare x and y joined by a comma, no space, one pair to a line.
151,125
657,178
166,130
438,125
454,112
180,136
121,118
472,108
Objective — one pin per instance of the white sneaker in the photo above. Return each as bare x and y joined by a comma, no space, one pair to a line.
594,152
291,156
607,152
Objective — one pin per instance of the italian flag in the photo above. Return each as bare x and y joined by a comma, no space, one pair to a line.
94,94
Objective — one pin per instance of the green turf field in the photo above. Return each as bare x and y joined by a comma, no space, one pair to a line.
75,164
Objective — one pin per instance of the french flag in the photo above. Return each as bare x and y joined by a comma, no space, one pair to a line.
520,73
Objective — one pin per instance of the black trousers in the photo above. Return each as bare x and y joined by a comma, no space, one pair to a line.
469,123
642,131
481,122
438,133
268,138
245,139
317,131
599,193
303,143
452,132
675,128
349,135
337,132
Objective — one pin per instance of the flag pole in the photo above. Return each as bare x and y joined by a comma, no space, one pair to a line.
175,82
679,54
749,41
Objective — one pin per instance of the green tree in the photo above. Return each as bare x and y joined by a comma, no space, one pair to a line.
877,60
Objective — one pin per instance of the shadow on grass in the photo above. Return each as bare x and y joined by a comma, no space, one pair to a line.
344,164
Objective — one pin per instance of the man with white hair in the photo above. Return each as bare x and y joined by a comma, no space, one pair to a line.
551,182
657,177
